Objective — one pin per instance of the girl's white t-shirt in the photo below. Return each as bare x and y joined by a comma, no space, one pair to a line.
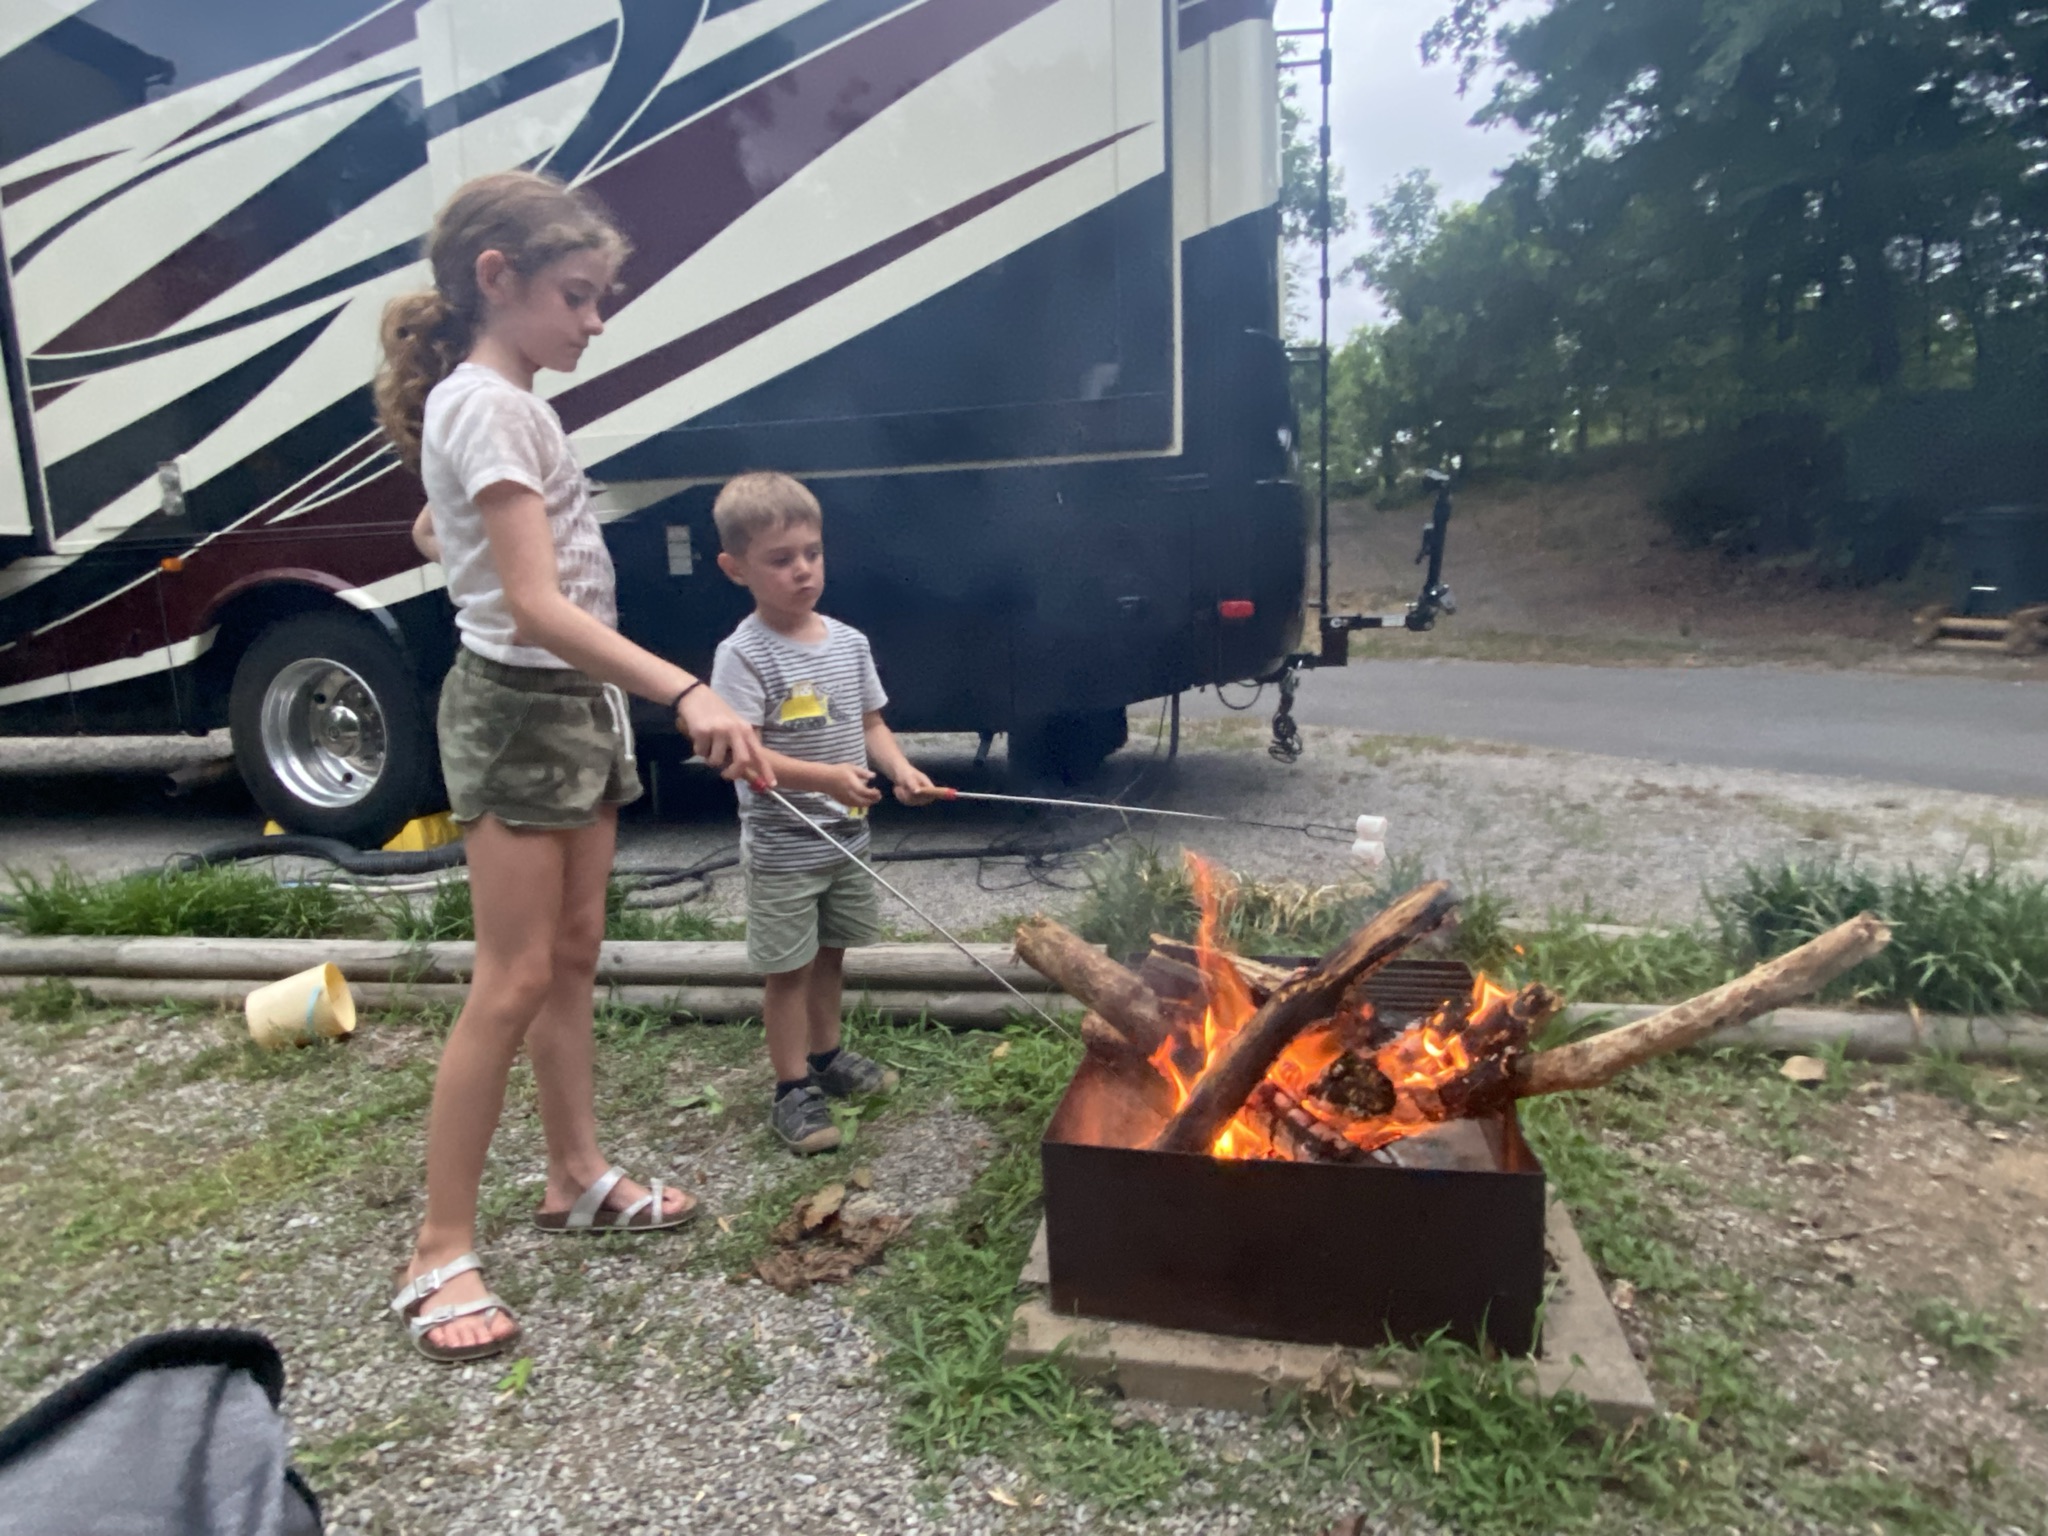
481,429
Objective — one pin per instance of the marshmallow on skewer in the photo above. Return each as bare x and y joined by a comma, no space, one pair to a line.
1372,829
1371,854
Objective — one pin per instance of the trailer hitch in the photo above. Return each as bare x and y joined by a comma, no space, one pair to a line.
1334,630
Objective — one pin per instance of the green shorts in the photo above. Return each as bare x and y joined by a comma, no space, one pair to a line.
533,746
792,914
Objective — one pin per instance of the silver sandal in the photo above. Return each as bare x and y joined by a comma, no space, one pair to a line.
643,1215
419,1324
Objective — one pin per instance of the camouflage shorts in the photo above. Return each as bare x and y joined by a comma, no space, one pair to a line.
532,746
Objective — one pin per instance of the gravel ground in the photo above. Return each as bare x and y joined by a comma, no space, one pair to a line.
666,1395
1628,839
154,1172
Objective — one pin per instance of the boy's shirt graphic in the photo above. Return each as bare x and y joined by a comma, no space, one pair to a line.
804,708
809,702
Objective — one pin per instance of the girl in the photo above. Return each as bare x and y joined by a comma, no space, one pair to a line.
535,745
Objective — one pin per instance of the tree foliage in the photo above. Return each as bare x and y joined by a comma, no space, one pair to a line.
1777,218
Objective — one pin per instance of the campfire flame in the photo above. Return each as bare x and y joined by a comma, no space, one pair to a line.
1418,1063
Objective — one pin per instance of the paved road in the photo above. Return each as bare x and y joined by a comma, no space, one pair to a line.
1941,732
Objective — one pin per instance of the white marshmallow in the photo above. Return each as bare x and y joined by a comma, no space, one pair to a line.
1372,829
1371,854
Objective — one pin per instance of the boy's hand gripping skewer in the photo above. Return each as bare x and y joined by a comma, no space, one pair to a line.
762,788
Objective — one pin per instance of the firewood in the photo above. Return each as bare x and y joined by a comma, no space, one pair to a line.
1297,1003
1260,979
1593,1062
1284,1121
1088,975
1174,982
1122,1061
1352,1085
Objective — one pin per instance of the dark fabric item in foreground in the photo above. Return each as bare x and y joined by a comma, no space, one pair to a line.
177,1434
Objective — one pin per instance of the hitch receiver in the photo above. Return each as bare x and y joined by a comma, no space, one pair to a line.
1334,630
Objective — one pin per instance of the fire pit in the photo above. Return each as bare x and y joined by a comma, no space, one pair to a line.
1319,1154
1357,1253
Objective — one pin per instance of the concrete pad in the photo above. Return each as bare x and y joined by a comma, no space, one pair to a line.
1584,1349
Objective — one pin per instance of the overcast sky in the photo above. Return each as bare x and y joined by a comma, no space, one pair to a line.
1389,114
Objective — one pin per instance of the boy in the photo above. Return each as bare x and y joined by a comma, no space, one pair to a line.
808,683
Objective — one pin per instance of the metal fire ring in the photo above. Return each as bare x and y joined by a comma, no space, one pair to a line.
323,733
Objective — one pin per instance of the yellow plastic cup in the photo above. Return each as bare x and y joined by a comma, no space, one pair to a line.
313,1005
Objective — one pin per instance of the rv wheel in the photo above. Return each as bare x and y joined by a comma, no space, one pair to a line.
330,729
1066,749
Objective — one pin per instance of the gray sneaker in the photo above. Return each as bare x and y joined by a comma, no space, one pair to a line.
853,1076
804,1121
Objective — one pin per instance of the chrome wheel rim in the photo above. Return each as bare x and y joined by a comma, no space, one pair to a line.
323,733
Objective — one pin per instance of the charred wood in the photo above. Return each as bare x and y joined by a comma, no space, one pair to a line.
1297,1003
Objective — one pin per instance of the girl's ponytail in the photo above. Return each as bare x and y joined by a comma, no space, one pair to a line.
531,220
424,338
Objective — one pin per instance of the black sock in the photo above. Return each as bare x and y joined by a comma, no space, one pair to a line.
823,1059
782,1089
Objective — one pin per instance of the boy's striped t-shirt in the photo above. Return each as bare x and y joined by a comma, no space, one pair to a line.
809,702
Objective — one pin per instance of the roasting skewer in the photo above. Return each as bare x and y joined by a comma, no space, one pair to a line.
762,787
1370,831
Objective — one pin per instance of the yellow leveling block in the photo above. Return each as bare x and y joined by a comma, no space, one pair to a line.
416,836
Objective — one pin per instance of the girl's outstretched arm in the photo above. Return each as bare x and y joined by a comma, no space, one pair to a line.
516,523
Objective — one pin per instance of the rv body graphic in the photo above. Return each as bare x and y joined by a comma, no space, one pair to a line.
998,278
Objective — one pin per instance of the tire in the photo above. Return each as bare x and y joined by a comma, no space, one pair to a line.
1066,749
331,729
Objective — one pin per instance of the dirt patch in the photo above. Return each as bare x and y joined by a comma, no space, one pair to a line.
1584,570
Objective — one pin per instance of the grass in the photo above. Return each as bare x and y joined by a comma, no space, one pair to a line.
1134,892
1972,1339
1969,941
944,1305
1465,1442
219,901
1608,968
229,902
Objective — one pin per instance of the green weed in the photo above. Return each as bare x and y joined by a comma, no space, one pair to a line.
943,1305
1972,941
219,901
1134,892
1653,967
52,1000
447,916
1470,1442
300,1152
1973,1340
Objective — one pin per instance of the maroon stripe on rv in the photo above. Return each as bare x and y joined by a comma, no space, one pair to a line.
346,463
41,395
390,28
1205,18
680,191
355,540
585,403
15,191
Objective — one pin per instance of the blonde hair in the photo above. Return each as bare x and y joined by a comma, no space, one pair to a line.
763,501
531,220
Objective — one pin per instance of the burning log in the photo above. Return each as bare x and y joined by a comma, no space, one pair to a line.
1355,1086
1174,958
1297,1003
1110,1047
1294,1130
1085,973
1592,1063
